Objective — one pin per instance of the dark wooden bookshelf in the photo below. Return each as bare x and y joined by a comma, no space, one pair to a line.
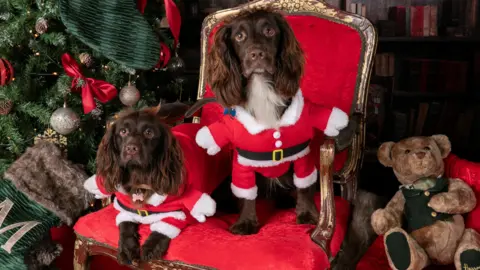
437,39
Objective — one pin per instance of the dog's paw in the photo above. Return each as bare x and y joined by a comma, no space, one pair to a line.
308,217
128,251
155,247
245,227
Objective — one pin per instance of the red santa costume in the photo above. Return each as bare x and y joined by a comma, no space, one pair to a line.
169,214
270,150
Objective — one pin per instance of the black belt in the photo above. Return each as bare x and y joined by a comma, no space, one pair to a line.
142,213
275,155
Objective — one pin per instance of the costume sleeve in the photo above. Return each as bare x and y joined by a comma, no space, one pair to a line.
94,185
201,205
215,136
330,121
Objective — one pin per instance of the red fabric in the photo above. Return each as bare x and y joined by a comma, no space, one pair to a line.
280,244
332,58
375,257
91,88
64,236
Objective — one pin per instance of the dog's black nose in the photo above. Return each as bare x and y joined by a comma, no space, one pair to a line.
257,54
131,149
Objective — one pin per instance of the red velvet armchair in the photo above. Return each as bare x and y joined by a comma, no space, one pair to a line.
376,258
339,50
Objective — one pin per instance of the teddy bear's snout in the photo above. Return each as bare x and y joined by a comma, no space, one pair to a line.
420,155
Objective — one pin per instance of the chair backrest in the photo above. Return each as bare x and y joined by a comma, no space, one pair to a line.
339,48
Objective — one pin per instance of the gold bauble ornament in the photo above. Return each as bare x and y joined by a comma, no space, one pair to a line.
129,95
64,120
86,59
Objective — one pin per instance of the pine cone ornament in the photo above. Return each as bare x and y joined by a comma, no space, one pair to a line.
41,26
5,107
86,60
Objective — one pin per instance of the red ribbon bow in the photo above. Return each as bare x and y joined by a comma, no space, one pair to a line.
91,88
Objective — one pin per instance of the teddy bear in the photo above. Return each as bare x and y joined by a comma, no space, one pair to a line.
423,224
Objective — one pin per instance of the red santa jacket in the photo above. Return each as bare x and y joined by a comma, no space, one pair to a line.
295,129
203,174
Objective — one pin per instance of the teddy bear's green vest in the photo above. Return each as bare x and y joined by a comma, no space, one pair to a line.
23,222
417,213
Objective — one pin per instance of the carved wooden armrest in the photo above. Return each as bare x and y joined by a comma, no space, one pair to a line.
324,231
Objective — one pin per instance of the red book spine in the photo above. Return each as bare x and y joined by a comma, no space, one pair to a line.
418,21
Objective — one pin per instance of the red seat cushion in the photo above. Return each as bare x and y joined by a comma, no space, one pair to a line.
280,244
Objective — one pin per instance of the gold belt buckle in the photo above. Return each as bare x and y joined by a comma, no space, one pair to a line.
142,211
274,154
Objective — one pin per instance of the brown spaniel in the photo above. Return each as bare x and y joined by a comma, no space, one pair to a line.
254,68
159,176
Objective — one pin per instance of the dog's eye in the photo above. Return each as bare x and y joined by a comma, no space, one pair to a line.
268,31
240,36
148,133
123,132
407,151
426,148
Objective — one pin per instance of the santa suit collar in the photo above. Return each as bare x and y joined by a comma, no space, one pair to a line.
289,117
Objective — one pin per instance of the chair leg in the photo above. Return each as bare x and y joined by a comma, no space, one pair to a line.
81,258
349,190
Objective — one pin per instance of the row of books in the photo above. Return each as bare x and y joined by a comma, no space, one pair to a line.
431,75
449,117
356,8
416,21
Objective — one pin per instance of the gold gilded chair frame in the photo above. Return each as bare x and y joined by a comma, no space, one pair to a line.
347,177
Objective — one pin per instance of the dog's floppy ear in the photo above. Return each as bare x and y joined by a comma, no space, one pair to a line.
223,70
290,60
107,160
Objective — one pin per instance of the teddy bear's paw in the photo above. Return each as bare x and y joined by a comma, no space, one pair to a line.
382,221
398,250
470,259
155,246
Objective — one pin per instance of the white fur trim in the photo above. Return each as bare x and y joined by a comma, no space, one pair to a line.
205,140
205,206
270,163
304,182
289,118
337,121
125,215
91,186
156,199
249,194
165,228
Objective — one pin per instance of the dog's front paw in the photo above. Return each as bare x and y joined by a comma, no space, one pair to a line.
128,251
245,227
155,247
308,217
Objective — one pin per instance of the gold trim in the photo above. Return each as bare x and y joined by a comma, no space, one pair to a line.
322,10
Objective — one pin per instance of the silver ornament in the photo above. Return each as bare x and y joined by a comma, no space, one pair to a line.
64,121
176,65
129,95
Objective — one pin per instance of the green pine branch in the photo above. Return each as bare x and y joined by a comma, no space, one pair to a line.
41,84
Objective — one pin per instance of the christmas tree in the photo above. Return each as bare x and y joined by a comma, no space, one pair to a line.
58,78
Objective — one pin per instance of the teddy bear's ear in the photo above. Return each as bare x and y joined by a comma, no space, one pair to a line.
443,144
384,154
